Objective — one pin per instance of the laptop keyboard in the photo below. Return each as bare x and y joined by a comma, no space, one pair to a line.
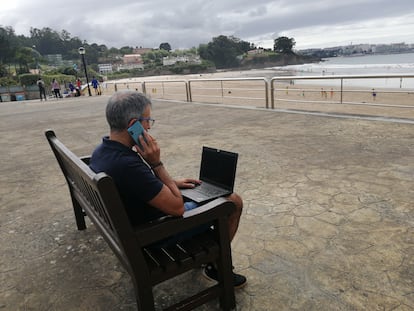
210,190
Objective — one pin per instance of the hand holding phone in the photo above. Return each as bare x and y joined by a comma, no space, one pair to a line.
136,130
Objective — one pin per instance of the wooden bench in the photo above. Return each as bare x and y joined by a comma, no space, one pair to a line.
96,196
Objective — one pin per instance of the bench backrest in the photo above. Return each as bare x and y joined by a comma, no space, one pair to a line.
98,196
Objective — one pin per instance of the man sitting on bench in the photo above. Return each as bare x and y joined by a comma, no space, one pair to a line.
147,190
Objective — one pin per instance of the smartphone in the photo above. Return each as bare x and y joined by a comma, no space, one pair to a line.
135,130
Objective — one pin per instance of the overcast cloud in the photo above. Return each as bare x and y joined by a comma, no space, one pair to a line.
187,23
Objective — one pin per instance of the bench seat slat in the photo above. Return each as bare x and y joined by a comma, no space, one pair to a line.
195,250
162,258
179,255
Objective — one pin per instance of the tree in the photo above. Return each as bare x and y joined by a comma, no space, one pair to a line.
47,41
3,70
70,71
24,56
126,50
165,46
223,51
8,44
284,45
243,46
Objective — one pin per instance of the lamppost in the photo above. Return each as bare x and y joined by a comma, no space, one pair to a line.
36,58
82,53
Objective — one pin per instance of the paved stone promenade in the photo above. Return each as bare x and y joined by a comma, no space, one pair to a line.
328,222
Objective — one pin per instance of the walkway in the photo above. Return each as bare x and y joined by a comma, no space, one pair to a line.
328,222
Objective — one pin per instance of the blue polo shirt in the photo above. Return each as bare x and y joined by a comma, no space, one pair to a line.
135,181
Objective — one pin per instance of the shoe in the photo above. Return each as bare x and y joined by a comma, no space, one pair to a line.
210,272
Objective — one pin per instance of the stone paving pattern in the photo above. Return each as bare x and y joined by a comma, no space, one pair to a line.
328,222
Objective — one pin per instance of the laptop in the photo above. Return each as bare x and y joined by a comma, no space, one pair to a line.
217,173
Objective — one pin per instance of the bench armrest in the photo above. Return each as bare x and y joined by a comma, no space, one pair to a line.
169,226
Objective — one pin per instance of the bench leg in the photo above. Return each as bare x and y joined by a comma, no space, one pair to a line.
145,299
224,264
79,214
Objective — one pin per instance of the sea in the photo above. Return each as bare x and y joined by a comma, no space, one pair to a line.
360,65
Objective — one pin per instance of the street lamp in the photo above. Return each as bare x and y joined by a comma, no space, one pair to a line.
82,53
36,58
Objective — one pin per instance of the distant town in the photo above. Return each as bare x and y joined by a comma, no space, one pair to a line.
359,49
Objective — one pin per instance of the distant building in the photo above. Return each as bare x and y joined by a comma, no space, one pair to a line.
353,49
255,51
54,59
131,61
171,60
105,68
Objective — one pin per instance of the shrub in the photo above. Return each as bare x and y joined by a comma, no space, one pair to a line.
28,79
6,81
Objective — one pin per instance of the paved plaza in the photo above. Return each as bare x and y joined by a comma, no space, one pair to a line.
328,220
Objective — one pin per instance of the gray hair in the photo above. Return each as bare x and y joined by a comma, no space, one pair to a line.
124,106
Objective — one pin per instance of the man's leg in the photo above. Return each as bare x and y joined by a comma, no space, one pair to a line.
234,218
210,270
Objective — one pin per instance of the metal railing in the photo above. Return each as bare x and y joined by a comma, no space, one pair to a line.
224,91
167,89
332,90
241,91
260,92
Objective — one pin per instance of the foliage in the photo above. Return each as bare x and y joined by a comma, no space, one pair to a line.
165,46
284,45
6,81
155,56
224,51
28,79
23,57
47,41
19,54
69,71
126,50
3,70
180,68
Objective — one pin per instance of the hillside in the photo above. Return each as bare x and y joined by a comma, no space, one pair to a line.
273,60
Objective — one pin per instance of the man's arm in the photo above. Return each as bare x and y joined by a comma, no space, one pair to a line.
169,199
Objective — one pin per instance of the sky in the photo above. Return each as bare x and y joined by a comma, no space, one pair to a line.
187,23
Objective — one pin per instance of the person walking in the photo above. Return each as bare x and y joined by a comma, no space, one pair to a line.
42,90
78,87
56,88
95,85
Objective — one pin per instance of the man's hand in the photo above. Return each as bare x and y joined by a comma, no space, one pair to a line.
187,183
150,151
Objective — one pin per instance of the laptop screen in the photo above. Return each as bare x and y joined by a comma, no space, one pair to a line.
218,167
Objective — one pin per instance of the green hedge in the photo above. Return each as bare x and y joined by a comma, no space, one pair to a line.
31,79
6,81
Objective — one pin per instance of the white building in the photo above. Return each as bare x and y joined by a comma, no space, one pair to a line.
105,68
